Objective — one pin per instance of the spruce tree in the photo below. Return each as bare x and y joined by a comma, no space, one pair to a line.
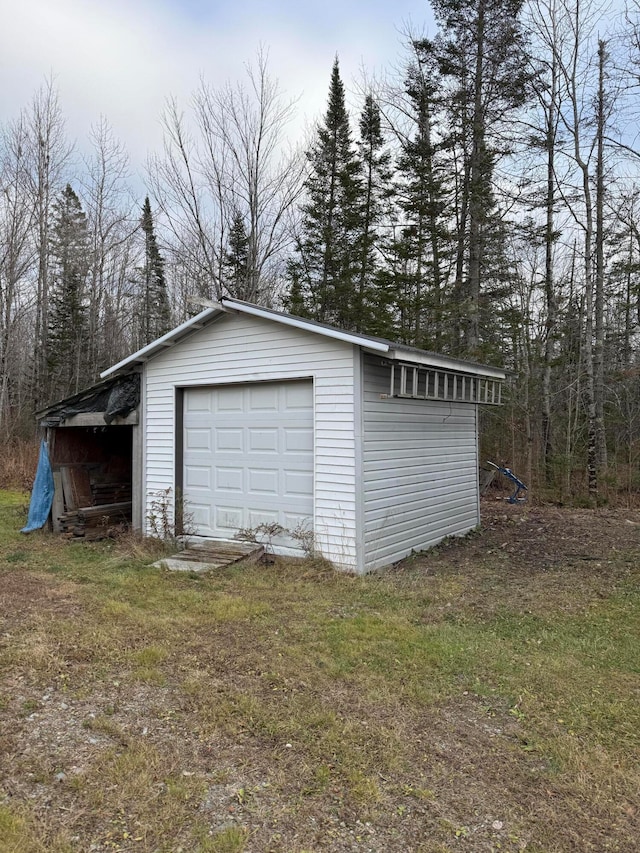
155,313
236,260
67,331
325,268
481,57
422,247
370,302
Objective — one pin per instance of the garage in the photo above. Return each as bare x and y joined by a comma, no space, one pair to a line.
248,457
251,416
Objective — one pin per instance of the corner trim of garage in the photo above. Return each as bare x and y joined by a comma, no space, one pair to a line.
178,476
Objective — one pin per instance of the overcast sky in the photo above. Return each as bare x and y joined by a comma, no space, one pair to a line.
122,58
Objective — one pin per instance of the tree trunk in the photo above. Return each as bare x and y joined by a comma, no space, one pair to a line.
598,354
549,283
476,201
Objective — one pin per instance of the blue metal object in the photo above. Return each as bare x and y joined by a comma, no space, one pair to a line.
520,486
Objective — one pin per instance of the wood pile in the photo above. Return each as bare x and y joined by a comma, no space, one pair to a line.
96,522
109,493
86,508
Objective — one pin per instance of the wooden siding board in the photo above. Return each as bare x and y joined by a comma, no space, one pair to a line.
419,470
240,349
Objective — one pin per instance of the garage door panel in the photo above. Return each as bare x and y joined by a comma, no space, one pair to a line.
298,483
198,439
263,481
297,440
263,516
229,479
199,400
229,440
199,515
227,400
298,397
295,521
263,440
263,398
197,477
256,465
228,518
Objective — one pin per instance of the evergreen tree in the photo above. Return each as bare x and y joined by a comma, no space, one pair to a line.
326,267
424,198
67,332
155,316
482,60
371,305
236,260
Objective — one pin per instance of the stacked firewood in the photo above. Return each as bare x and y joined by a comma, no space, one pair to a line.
96,522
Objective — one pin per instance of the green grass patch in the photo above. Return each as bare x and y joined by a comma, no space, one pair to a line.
441,701
19,833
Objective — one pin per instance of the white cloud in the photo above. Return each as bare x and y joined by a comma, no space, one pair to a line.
122,59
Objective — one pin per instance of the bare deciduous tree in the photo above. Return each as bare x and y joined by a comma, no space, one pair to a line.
49,153
16,254
235,164
112,223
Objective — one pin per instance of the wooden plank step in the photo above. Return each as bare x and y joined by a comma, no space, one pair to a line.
232,544
221,548
210,556
207,557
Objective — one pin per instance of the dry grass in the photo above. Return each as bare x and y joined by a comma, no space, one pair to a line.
483,697
18,462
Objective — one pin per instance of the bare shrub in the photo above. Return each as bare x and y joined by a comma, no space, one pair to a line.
18,463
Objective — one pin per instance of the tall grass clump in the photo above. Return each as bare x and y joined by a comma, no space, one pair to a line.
18,462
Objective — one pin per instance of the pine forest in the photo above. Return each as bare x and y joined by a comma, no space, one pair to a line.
480,199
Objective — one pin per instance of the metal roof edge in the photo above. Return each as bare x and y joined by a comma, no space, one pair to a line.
299,323
172,337
446,363
393,351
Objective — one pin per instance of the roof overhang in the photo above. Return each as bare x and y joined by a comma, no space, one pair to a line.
204,318
112,402
443,362
307,326
377,346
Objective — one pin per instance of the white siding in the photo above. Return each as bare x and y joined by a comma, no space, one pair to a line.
420,470
239,348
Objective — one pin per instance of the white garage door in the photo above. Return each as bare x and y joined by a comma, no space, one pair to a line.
248,456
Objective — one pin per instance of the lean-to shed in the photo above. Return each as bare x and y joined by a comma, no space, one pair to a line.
94,444
254,416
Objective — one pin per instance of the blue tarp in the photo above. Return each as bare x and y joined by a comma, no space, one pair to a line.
42,493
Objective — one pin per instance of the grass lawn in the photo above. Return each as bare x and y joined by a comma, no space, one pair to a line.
482,697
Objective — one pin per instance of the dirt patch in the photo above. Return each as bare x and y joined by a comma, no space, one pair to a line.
541,538
523,557
25,594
